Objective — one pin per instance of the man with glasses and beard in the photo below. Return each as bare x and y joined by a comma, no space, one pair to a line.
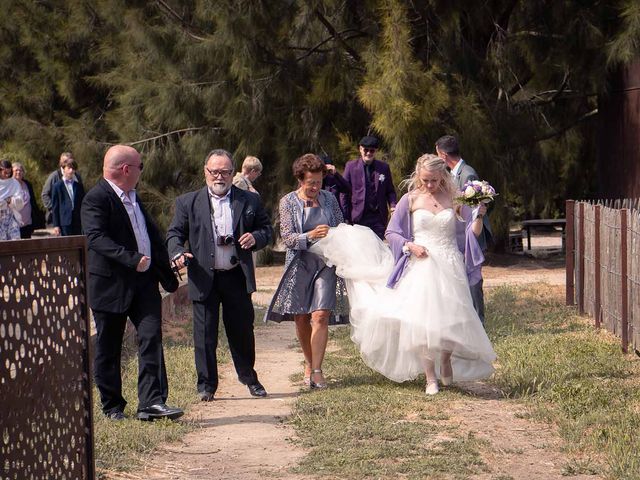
372,192
222,226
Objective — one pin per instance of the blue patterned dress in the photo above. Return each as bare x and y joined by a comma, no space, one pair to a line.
307,284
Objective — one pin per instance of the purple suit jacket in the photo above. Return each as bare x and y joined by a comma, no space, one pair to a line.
400,231
353,204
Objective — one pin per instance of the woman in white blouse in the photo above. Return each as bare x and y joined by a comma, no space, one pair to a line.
10,202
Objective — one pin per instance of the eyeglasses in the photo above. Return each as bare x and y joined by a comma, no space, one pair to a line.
312,183
140,166
219,173
369,150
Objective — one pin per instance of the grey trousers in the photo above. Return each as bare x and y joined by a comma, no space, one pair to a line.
478,299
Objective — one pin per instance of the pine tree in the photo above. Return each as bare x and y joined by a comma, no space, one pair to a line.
516,81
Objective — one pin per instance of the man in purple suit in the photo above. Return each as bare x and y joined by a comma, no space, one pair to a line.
372,192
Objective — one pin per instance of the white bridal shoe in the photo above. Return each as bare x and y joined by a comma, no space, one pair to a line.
432,388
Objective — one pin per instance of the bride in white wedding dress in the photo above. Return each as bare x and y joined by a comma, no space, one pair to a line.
410,306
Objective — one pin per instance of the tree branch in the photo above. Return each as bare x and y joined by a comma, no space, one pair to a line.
532,33
151,139
186,27
520,84
335,34
561,130
316,48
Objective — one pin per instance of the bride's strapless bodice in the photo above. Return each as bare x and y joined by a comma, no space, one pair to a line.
435,230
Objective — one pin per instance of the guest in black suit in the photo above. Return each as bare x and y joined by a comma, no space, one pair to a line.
223,225
66,198
127,259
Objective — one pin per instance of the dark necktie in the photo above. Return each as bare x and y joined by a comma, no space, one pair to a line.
368,171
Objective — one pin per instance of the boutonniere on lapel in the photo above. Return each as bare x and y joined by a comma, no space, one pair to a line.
381,177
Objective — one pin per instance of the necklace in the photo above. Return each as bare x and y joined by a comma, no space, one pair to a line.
307,202
432,200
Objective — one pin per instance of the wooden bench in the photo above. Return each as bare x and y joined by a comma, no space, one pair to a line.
529,225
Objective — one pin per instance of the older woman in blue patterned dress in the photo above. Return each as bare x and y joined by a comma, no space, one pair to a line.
309,290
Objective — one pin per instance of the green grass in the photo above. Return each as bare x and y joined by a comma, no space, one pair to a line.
122,446
571,375
549,359
365,426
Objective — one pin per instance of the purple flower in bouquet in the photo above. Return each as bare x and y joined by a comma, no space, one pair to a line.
476,192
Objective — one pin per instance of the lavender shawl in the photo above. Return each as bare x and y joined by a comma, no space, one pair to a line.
400,231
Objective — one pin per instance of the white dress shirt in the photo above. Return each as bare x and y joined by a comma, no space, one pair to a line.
456,170
68,184
222,225
138,223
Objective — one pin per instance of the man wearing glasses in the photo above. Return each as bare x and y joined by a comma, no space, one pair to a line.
214,232
127,260
372,191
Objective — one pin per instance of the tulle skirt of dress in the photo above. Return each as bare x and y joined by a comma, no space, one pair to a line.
429,311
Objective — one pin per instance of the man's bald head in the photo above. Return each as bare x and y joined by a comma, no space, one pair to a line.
122,166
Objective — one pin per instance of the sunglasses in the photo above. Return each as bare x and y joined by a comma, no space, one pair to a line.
141,166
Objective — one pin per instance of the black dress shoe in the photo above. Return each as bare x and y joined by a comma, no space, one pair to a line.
115,415
159,411
206,396
257,390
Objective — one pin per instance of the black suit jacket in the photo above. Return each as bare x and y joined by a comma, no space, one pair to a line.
113,251
192,223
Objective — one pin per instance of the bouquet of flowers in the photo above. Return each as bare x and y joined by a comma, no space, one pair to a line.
476,192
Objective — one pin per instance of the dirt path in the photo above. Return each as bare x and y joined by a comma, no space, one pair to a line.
518,448
244,438
240,437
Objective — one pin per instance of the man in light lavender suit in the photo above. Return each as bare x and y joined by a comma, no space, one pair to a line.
372,193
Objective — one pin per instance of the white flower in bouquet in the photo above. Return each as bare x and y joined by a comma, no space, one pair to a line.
469,192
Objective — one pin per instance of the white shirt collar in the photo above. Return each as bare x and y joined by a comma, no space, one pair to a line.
226,196
119,192
455,170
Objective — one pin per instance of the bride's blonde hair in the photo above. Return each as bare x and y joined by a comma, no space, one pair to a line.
433,164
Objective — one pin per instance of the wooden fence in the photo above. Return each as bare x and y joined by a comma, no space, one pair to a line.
603,265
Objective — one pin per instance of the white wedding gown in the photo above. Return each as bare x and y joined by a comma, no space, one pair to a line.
429,311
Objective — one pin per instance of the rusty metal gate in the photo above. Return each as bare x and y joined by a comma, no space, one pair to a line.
46,425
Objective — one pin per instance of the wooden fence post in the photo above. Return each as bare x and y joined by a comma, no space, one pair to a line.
570,251
624,307
581,259
597,304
